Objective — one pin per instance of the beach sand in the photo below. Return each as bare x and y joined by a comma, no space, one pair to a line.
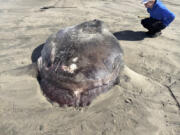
145,102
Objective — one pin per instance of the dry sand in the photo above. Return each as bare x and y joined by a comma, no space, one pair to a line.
144,103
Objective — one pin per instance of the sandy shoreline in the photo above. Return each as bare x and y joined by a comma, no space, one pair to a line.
140,104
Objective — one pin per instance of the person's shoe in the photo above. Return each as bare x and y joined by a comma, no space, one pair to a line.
153,35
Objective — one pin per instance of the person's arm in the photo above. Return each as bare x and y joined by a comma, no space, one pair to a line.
168,17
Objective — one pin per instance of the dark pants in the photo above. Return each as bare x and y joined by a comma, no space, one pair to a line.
152,25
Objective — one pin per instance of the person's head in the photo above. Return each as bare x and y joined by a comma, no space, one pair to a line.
148,3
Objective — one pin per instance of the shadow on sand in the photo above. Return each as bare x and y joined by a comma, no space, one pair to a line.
130,35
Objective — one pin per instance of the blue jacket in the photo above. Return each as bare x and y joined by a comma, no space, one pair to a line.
160,12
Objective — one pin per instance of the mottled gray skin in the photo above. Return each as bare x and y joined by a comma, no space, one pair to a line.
78,63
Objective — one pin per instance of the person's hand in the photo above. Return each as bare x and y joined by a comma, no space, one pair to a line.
142,17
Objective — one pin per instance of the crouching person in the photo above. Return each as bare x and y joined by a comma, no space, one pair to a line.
160,17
